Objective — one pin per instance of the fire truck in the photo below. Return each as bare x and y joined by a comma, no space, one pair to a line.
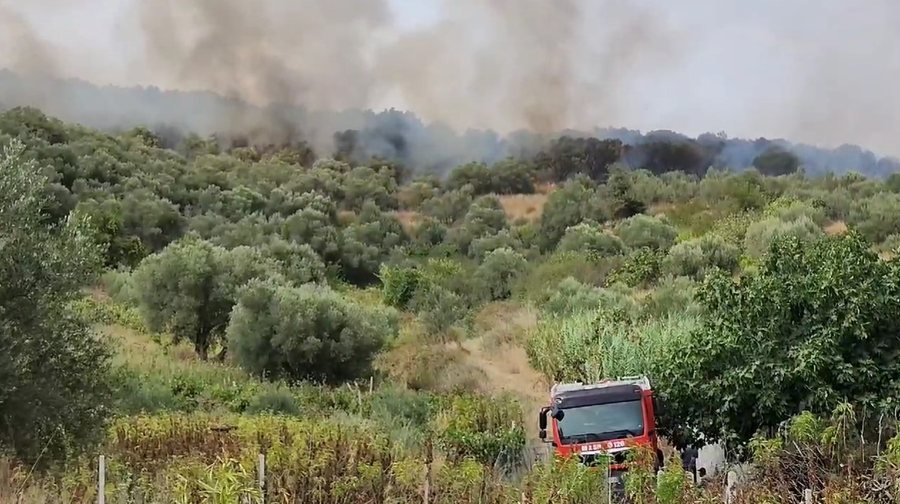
601,422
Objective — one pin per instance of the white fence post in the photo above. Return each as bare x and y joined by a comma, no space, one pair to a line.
261,474
101,480
807,496
730,482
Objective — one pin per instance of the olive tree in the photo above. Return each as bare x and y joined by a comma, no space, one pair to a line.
306,332
54,372
190,287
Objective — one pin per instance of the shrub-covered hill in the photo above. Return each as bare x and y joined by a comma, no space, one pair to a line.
225,286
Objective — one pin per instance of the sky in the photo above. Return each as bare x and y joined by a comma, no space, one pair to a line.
818,71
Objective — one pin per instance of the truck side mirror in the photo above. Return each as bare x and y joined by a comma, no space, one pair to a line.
542,423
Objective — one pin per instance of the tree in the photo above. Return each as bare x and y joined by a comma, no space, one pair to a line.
574,202
54,372
511,176
761,234
485,217
694,258
190,287
815,326
478,175
776,161
590,237
569,156
646,231
499,270
368,242
305,332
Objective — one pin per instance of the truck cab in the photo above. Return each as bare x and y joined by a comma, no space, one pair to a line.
601,421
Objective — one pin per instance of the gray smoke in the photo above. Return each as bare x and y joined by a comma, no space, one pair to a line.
818,72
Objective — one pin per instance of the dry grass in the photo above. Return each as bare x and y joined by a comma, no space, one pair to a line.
408,219
523,206
836,228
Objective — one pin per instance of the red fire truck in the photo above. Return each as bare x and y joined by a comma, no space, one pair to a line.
601,421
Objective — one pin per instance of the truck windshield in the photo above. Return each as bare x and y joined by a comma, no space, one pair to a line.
601,422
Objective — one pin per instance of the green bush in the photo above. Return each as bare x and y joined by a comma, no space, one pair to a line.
877,217
368,242
476,175
484,218
645,231
363,184
481,247
440,310
449,207
486,429
694,258
576,201
809,330
538,282
673,296
512,177
399,284
640,268
761,234
499,271
306,332
297,263
590,237
572,296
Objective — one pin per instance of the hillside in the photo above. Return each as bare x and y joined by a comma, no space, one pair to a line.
384,336
402,137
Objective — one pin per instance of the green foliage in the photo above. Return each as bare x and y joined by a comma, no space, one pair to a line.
368,242
476,175
189,288
399,284
760,235
481,247
449,207
877,217
488,430
590,237
306,332
363,184
572,296
484,218
54,372
811,328
298,264
591,346
673,296
499,271
645,231
512,177
776,161
537,283
640,268
576,201
694,258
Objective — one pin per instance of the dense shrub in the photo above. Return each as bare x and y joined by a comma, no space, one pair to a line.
576,201
54,372
485,217
484,245
761,234
368,242
572,296
511,176
877,217
306,332
813,327
450,206
673,296
694,258
639,269
315,224
486,429
297,263
645,231
538,282
399,284
590,237
476,175
364,184
499,271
